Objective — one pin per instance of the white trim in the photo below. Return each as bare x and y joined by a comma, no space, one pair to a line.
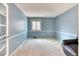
2,36
17,35
2,48
20,44
66,33
2,25
7,29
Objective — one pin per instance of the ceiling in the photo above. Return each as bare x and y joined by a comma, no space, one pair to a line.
44,9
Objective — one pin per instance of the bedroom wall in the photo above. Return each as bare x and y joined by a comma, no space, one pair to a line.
47,27
64,26
17,27
67,22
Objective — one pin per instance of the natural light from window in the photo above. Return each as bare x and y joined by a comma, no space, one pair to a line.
36,26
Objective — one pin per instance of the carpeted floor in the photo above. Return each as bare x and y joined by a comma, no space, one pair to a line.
40,47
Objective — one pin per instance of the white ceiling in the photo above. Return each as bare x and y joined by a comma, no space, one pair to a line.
44,9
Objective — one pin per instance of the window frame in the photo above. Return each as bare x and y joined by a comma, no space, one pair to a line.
36,25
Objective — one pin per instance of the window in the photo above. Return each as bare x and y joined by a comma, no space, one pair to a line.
36,25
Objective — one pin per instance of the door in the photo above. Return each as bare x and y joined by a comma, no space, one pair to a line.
3,30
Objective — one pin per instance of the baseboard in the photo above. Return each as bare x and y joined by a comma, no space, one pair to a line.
16,48
41,34
54,33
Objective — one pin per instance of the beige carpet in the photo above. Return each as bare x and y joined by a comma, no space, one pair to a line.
40,47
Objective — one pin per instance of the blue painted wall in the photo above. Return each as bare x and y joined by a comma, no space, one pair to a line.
47,27
17,27
63,26
66,24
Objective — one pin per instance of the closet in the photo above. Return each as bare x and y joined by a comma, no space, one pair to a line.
13,29
3,30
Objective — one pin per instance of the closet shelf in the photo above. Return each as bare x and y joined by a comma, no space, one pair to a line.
2,25
2,36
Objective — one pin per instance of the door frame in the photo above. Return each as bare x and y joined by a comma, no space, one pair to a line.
7,29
